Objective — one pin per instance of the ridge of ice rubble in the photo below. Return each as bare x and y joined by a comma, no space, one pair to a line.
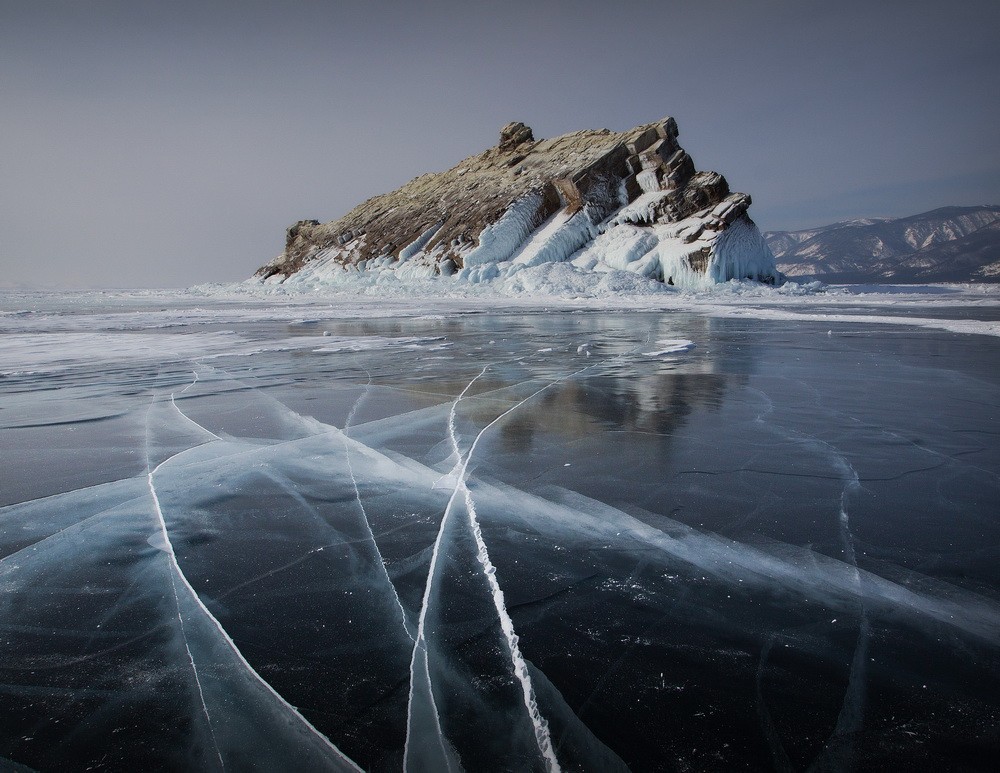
600,201
546,280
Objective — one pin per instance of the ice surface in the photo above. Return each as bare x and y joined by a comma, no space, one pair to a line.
315,532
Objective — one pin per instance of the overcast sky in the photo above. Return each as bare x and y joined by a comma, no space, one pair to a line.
165,144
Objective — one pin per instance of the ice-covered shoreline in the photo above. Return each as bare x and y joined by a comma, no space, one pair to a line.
959,308
559,287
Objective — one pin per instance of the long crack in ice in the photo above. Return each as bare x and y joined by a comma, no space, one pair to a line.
407,626
175,573
541,729
838,751
419,663
178,576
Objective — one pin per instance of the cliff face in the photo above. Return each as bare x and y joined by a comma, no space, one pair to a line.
599,199
951,244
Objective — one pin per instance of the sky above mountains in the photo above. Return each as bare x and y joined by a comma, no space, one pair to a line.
149,144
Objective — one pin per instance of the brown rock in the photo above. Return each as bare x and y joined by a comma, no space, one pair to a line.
513,134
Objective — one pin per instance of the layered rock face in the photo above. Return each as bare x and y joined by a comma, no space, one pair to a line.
601,200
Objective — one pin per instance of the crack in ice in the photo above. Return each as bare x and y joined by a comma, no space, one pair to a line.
839,747
420,654
175,571
44,541
542,736
177,575
407,626
541,731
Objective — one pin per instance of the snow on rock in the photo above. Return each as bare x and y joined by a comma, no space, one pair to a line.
740,252
499,240
603,202
618,248
418,244
556,240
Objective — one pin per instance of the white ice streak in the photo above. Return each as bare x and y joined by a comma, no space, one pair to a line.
805,571
670,346
814,575
419,659
542,737
555,240
16,560
541,730
839,747
47,351
189,419
177,576
803,314
194,373
336,344
418,244
175,573
407,627
500,240
315,426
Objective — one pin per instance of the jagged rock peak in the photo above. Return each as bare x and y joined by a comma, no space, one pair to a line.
513,134
301,227
599,199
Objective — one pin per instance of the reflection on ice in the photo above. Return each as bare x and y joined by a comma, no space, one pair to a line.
536,555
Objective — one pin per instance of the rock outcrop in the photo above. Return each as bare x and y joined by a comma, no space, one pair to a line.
602,200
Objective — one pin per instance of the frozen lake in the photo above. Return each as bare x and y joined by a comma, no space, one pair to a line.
293,534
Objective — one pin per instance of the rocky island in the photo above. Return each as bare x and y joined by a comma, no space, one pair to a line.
600,200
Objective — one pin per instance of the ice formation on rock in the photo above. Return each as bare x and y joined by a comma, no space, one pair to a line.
601,201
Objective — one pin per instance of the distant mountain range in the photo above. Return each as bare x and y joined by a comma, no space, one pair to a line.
951,244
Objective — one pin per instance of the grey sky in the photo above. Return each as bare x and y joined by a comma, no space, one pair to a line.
171,143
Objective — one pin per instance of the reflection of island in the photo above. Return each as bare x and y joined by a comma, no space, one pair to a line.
625,390
653,402
641,395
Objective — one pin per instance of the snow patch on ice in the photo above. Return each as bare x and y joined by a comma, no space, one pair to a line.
671,346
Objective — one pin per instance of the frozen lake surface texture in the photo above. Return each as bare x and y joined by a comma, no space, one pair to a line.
742,530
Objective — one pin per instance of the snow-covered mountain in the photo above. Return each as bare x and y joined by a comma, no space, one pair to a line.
601,201
951,244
